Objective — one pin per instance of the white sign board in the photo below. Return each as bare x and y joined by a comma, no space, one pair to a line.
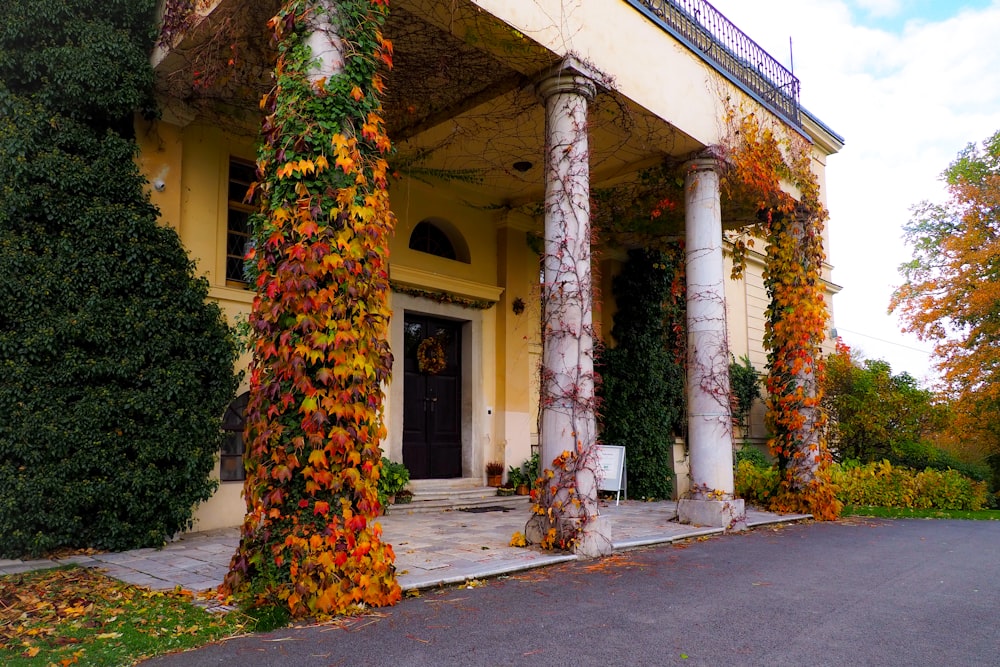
611,462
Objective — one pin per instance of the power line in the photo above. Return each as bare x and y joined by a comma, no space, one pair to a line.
883,340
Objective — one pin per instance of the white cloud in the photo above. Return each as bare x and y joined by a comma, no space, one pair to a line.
906,103
880,7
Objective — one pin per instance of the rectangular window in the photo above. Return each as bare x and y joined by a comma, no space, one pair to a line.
241,175
231,459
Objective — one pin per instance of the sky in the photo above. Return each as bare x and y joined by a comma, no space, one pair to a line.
907,84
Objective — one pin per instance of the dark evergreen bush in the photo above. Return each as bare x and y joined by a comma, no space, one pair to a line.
115,372
642,383
922,455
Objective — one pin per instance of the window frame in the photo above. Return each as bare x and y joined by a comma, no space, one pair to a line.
241,208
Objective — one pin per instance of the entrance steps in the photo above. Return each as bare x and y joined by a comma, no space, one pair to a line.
437,495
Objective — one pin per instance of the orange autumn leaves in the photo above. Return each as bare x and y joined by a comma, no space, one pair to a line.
67,616
952,288
320,322
760,163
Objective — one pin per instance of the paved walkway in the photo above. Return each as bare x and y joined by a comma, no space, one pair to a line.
431,549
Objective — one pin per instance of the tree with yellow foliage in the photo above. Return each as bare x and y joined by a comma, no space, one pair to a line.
952,291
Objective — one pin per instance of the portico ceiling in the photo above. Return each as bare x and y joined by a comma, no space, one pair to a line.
460,102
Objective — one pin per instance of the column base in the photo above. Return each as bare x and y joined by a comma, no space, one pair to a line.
728,514
593,541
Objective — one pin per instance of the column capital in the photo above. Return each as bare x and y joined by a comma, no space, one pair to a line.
709,159
569,76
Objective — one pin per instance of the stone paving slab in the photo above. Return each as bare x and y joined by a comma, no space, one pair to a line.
432,549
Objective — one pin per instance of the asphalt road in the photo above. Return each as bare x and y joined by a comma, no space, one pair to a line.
859,592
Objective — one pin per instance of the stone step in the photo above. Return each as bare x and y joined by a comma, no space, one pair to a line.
456,484
464,494
444,505
436,495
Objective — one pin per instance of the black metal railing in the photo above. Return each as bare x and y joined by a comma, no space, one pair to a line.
707,32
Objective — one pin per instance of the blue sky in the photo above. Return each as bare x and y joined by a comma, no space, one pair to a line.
908,84
893,15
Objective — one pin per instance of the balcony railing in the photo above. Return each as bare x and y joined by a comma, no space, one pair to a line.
704,30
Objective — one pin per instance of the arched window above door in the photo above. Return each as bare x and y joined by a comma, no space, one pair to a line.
439,237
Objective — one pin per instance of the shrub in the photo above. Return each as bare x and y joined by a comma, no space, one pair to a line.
921,455
757,485
116,371
751,454
874,485
884,485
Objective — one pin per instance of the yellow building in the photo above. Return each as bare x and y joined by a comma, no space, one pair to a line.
469,106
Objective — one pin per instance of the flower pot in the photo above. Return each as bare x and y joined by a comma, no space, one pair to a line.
505,491
523,489
494,480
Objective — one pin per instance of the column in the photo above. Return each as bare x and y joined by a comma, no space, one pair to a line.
710,431
568,420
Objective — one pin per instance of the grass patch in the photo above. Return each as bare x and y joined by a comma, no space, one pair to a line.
66,616
903,513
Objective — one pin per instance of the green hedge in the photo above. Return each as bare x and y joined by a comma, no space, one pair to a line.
876,485
883,485
921,455
115,370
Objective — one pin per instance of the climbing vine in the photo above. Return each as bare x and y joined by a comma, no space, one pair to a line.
444,297
796,317
320,320
643,411
757,162
556,495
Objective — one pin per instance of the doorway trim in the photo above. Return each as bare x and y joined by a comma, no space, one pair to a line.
478,379
432,401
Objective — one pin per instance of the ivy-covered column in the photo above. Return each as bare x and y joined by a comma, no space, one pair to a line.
310,542
566,498
710,435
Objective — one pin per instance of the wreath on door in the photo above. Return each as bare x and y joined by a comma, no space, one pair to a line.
431,359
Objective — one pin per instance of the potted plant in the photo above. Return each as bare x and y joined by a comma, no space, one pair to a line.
494,473
404,497
518,480
533,469
394,477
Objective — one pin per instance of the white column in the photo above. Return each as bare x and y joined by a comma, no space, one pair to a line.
325,44
709,419
568,420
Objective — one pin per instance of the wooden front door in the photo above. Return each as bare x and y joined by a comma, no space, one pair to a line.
432,397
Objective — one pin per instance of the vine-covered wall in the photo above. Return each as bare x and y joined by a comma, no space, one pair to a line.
644,410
